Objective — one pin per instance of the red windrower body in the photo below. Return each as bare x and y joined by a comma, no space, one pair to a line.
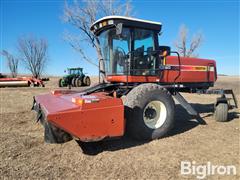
193,70
140,74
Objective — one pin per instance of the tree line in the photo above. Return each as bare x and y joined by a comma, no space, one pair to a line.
33,52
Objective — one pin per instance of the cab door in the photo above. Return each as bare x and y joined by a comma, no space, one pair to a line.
144,59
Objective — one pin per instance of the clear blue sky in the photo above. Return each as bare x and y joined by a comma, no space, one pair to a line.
217,20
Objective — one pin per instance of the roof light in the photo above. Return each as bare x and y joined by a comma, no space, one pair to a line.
104,23
110,22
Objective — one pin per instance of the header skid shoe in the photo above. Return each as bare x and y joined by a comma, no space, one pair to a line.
85,117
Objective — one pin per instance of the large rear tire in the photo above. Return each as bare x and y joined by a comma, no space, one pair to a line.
149,111
86,81
78,82
73,82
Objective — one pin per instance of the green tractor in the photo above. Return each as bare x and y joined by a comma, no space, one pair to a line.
75,78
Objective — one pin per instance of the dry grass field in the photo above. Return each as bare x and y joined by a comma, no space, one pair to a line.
23,153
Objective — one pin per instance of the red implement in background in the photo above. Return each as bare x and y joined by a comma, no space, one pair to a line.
21,81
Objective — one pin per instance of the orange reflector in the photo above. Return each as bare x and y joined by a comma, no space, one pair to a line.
78,101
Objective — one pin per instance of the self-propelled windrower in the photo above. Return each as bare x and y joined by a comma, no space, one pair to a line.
142,77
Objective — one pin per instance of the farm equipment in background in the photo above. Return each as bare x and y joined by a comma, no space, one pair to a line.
45,79
143,78
75,78
21,82
3,75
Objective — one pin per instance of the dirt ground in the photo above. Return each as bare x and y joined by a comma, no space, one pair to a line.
23,153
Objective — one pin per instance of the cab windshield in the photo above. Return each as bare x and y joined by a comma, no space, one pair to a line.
135,46
115,49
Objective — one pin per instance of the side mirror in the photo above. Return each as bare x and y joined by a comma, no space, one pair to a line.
165,50
119,29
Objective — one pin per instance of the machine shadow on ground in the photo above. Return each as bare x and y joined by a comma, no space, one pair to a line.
183,123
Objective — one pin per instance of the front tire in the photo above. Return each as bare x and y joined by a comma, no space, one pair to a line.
60,84
149,112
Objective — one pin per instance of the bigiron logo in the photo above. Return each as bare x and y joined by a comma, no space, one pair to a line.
201,171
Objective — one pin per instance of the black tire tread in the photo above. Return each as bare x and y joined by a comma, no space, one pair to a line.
60,82
221,112
73,82
78,82
132,99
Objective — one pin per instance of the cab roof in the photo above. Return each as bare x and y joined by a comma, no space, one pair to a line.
76,68
110,21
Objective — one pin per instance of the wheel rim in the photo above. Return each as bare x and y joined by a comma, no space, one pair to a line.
79,82
154,114
73,82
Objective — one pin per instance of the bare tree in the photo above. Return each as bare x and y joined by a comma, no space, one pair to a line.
182,43
12,62
82,14
33,53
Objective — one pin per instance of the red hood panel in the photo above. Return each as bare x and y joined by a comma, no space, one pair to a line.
98,116
52,104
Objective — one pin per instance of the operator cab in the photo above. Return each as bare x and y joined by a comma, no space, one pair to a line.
129,47
77,71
